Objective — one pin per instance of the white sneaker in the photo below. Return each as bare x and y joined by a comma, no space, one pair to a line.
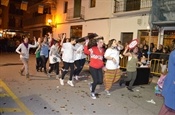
93,96
70,83
76,77
57,76
48,75
90,86
61,81
107,92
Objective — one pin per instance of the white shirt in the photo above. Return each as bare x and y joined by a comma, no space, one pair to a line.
79,53
68,52
24,50
114,53
54,55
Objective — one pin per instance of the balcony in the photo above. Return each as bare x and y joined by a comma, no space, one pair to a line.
136,7
37,21
79,15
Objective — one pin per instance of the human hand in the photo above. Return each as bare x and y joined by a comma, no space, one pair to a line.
34,38
86,42
23,54
104,69
64,36
114,60
126,47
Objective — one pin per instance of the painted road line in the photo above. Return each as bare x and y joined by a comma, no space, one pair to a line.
16,99
3,110
4,95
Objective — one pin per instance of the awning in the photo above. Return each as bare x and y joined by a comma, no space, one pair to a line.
164,23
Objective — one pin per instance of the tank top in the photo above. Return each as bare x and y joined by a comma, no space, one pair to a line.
132,64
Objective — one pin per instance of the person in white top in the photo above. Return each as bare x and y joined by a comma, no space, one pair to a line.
54,59
112,73
80,58
23,50
68,60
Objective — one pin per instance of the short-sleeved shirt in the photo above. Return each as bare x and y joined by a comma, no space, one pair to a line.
114,53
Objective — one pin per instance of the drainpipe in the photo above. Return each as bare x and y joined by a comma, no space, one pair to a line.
110,18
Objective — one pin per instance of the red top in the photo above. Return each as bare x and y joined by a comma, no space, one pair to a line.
96,57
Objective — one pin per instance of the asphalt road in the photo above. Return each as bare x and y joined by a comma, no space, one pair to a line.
45,96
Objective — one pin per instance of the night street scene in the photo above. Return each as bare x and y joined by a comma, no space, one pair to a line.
87,57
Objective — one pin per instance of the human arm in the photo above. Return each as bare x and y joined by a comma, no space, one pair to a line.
18,49
108,56
39,47
125,53
35,44
86,50
63,37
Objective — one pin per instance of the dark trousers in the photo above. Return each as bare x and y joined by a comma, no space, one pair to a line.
54,67
79,66
44,62
66,68
97,76
38,63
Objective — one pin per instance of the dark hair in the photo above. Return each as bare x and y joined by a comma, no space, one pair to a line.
131,50
73,38
166,49
54,41
111,42
93,42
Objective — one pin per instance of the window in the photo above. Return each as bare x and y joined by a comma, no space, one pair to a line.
65,6
132,5
92,3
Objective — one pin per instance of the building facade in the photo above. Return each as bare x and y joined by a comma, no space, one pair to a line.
122,20
38,17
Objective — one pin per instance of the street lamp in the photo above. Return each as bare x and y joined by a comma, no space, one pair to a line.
49,21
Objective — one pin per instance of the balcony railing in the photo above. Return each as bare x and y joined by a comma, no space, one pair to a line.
37,21
70,14
123,6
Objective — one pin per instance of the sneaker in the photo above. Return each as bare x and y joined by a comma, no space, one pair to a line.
21,72
70,83
90,86
61,81
27,75
130,89
76,77
48,75
107,92
121,82
57,76
93,96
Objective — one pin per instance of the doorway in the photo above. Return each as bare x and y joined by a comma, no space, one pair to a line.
126,37
76,31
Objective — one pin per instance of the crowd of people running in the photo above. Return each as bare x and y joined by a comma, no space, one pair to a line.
104,61
104,64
